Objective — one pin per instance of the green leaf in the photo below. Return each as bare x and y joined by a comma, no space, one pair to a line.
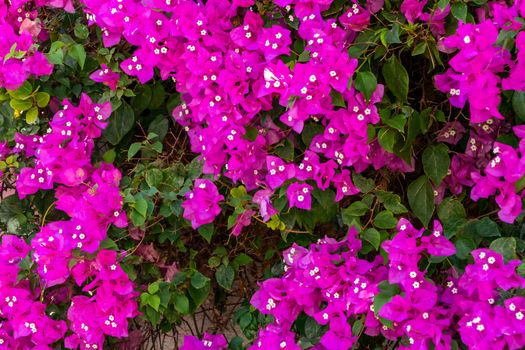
351,221
309,131
275,223
154,301
220,251
459,10
304,56
198,295
464,246
413,130
154,177
198,280
159,126
324,212
397,122
81,31
14,53
518,104
506,246
286,150
224,276
354,51
23,92
388,291
42,99
356,209
242,260
137,219
20,105
165,294
312,329
238,192
337,99
133,149
141,205
391,202
450,209
120,123
366,83
157,97
419,49
357,327
421,199
157,146
396,78
182,304
372,236
392,36
108,244
214,261
32,115
56,54
387,139
152,316
13,224
385,219
142,99
78,53
436,162
10,206
486,228
153,288
179,278
206,231
109,156
452,214
443,3
520,184
364,184
521,269
245,320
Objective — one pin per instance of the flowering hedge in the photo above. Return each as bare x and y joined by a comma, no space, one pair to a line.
350,171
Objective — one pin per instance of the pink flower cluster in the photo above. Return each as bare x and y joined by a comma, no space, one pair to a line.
201,205
89,195
413,10
208,342
229,77
501,175
25,323
474,72
465,168
476,76
330,283
20,30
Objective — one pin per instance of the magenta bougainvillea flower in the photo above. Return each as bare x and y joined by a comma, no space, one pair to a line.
451,133
68,250
299,195
208,342
106,76
331,284
412,9
262,198
202,203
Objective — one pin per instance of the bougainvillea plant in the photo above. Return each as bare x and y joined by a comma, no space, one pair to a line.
262,174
